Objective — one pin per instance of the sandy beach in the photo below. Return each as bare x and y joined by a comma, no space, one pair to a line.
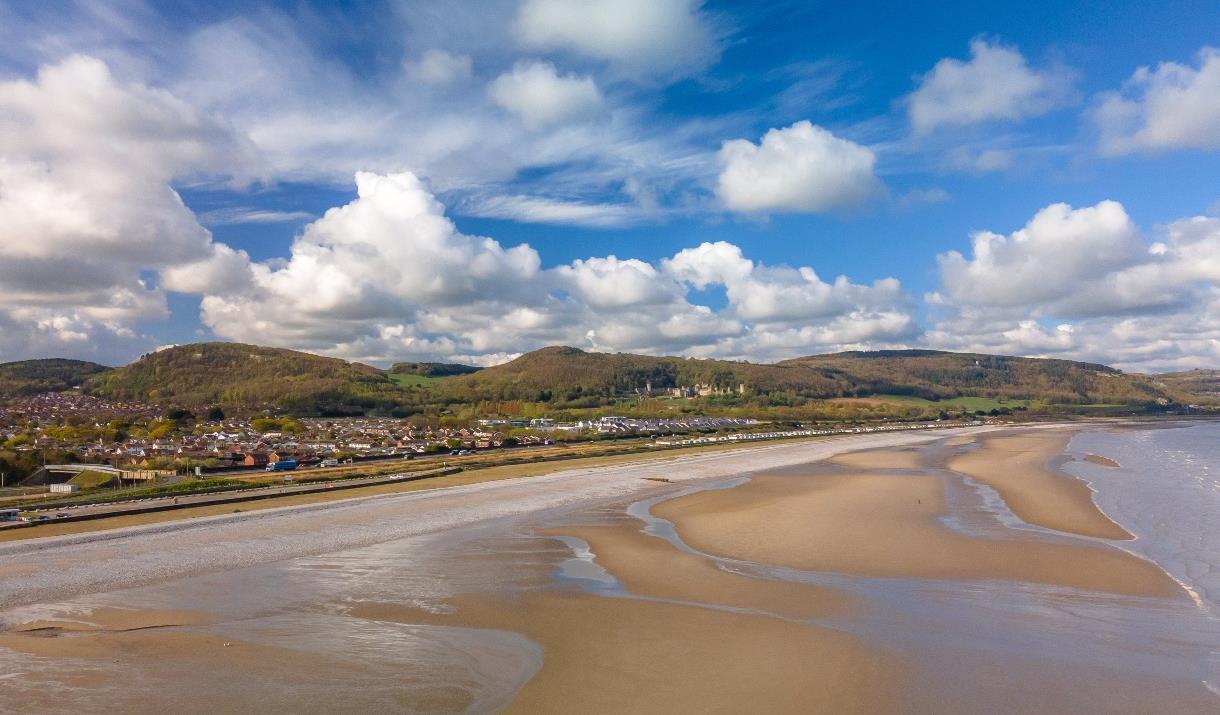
868,574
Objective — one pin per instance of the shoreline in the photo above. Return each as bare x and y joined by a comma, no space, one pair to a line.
1146,514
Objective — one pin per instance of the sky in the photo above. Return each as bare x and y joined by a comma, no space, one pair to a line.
467,181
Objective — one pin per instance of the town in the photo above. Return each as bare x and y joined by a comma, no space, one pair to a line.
135,436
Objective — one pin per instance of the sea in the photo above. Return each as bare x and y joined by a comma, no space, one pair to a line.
1165,491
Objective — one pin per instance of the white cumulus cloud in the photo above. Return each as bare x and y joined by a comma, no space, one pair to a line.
610,283
375,262
1170,106
779,294
539,95
995,83
801,168
1058,252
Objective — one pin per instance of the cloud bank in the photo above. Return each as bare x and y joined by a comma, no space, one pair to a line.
389,275
1086,283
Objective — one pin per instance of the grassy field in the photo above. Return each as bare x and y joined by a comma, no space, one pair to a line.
409,380
970,404
90,479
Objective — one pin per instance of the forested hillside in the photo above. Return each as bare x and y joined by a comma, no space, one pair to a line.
233,374
939,375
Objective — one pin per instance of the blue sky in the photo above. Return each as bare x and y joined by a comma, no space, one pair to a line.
663,176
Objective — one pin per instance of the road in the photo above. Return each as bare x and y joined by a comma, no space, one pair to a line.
139,506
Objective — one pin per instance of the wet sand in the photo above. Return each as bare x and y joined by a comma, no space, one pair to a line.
607,655
159,667
879,459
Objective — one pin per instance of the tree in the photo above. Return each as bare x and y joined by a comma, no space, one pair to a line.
215,414
264,424
161,430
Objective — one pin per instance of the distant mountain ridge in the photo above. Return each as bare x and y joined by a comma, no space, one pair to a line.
431,369
1201,384
937,375
567,373
257,378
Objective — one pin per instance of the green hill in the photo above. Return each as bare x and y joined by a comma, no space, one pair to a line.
572,376
1194,386
251,377
31,377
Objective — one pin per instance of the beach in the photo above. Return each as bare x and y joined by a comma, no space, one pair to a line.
953,571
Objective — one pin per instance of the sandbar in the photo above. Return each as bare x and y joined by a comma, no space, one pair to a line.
1015,466
887,525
